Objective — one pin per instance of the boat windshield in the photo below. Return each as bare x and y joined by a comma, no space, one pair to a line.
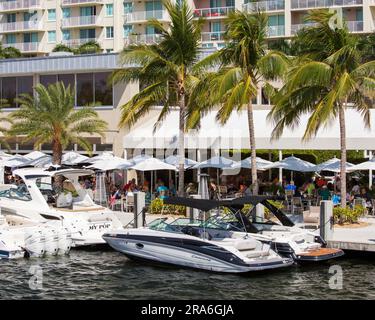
18,193
161,225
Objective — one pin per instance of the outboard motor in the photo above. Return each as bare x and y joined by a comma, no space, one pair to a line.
34,242
51,244
64,241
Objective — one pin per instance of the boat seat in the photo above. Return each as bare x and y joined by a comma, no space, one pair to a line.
256,253
239,244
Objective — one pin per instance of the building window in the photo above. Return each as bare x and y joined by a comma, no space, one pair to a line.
128,7
30,37
109,32
67,79
66,34
85,89
66,12
46,80
87,11
12,87
128,29
109,9
11,38
103,91
51,14
87,34
11,17
51,36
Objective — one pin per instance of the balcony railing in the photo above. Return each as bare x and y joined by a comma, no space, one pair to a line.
355,26
212,36
78,2
264,6
213,12
138,16
77,42
304,4
21,26
297,27
23,47
19,5
142,39
79,21
275,31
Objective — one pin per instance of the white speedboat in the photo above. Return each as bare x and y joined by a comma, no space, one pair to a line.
163,243
56,198
279,231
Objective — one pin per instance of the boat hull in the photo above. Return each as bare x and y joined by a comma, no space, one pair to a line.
148,249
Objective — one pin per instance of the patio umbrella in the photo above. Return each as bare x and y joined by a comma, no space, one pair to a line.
140,158
293,164
331,165
246,163
217,162
367,165
72,158
35,155
14,161
152,164
41,162
174,160
111,164
103,156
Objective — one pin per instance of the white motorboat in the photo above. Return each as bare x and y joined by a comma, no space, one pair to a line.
161,242
279,231
57,199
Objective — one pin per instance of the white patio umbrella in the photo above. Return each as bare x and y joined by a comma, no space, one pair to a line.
293,164
73,158
367,165
140,158
152,164
174,161
332,165
14,161
246,163
35,155
217,162
103,156
111,164
45,161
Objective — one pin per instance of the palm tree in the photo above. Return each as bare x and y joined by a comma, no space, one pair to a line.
244,65
50,117
327,80
165,71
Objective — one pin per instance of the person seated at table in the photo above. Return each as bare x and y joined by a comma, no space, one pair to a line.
162,191
245,190
213,189
191,188
324,193
291,187
356,190
320,182
364,194
336,199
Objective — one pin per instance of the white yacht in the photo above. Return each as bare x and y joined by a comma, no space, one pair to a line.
56,197
161,242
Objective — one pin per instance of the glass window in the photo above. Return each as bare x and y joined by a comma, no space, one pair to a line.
153,9
11,17
27,16
85,89
215,3
10,38
109,9
25,85
9,86
109,32
87,34
359,14
128,29
30,37
67,79
103,90
87,11
51,36
66,34
128,7
66,12
46,80
51,14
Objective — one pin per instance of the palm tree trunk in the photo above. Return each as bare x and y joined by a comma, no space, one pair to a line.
343,155
254,177
181,146
57,151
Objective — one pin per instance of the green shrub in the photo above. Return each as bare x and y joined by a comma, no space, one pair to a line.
157,206
348,215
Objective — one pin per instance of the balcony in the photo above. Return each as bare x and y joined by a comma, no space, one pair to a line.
275,31
80,21
308,4
297,27
212,12
277,5
71,3
19,5
77,42
212,36
355,26
24,47
21,26
142,39
143,16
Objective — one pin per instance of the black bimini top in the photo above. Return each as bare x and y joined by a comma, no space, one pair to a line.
238,203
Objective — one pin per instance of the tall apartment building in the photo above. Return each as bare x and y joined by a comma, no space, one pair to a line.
35,27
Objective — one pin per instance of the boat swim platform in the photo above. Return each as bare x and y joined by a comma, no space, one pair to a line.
361,238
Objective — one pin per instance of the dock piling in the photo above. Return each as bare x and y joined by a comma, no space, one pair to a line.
139,213
326,216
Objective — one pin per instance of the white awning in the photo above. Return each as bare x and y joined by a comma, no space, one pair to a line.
235,134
